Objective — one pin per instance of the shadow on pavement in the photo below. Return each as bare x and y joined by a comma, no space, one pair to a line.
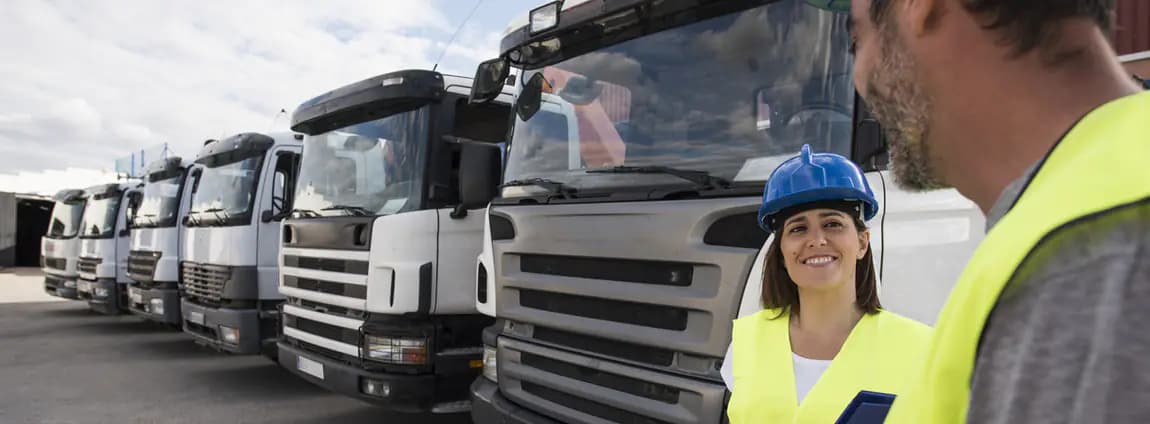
74,309
104,324
369,414
22,272
179,348
255,383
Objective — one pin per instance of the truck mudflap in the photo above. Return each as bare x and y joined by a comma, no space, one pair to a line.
399,392
216,327
489,406
106,296
156,304
60,287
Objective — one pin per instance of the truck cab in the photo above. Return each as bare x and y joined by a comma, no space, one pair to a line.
378,256
103,264
156,231
229,264
60,246
624,240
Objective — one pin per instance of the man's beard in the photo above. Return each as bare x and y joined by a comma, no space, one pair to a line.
897,100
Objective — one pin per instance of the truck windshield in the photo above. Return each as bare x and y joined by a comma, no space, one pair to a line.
160,203
100,218
731,96
371,168
226,192
65,219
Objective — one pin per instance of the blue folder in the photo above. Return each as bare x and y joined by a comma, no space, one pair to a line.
867,408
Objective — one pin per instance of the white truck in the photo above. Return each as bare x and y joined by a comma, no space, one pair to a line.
154,253
624,241
60,246
103,263
228,268
378,256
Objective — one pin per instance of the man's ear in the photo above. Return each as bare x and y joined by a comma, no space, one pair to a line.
921,16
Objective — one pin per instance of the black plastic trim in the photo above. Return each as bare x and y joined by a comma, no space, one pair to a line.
501,227
334,232
328,287
741,230
425,287
654,316
368,100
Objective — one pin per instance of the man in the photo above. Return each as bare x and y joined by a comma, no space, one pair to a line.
1023,107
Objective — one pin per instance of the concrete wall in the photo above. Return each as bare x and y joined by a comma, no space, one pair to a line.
7,229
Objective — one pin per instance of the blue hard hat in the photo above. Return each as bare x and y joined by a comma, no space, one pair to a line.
815,177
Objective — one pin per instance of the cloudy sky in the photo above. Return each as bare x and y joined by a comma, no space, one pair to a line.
85,82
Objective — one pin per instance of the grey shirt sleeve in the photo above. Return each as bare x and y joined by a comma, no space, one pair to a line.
1069,339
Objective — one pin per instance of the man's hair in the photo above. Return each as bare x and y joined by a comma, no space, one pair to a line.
1025,24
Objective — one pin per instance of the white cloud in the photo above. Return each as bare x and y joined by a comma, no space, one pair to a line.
83,83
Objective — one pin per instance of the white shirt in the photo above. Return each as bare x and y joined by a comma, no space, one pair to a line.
807,372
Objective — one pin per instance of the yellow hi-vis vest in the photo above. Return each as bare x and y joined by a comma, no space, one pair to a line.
875,357
1100,165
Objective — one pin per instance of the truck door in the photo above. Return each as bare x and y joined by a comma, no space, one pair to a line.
277,186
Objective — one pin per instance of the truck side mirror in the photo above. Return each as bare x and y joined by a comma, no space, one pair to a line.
869,149
479,174
490,77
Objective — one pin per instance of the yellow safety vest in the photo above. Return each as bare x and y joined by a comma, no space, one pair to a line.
875,357
1100,165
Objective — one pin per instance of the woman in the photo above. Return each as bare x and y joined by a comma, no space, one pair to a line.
822,335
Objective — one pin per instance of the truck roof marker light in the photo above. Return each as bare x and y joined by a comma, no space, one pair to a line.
545,17
387,82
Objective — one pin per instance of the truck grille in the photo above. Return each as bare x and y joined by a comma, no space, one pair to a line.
590,407
628,328
316,278
142,265
88,265
59,264
203,283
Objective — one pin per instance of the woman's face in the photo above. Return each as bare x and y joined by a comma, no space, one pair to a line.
820,248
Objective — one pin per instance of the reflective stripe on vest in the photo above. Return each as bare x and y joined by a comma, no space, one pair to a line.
874,357
1098,166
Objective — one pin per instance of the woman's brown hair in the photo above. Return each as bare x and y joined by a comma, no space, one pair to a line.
780,292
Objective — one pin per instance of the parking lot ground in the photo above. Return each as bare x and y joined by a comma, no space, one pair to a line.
60,363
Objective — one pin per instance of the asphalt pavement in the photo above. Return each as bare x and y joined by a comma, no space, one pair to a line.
60,363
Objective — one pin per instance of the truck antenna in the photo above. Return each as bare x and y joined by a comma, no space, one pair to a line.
456,33
272,125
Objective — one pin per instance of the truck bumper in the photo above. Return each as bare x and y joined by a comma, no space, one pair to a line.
60,287
106,295
405,393
489,406
160,305
204,324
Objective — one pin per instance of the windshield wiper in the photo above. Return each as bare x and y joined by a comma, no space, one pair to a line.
191,217
150,217
306,212
220,220
703,179
354,210
552,186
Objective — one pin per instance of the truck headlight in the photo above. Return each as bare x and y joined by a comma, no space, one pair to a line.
490,364
69,284
229,335
101,292
157,306
396,350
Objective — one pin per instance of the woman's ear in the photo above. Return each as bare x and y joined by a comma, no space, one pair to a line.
864,242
